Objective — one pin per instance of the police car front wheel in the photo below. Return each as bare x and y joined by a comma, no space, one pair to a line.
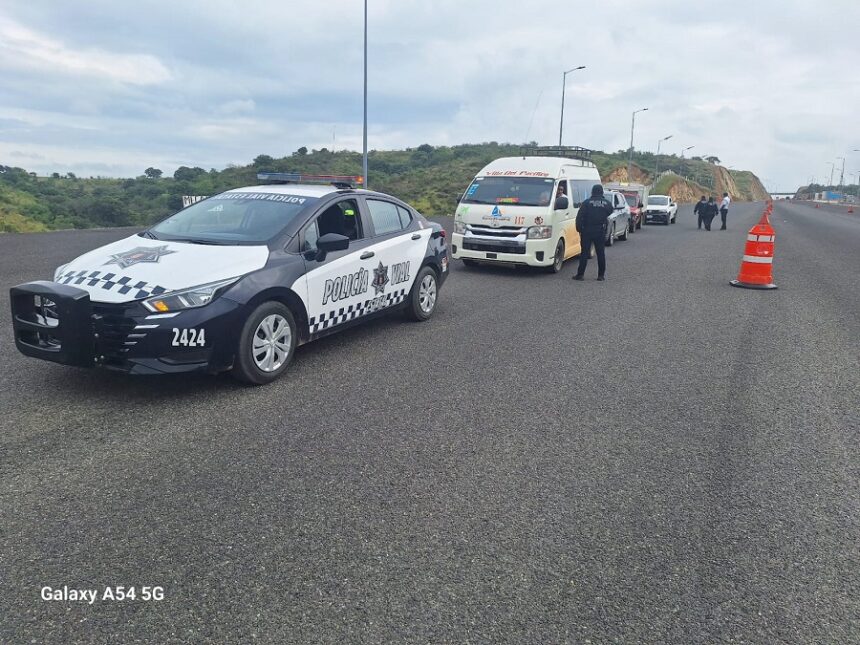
425,291
266,345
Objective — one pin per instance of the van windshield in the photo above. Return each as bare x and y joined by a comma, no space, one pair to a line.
632,198
658,201
521,191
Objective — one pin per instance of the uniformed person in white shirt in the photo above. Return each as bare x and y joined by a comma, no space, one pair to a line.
724,209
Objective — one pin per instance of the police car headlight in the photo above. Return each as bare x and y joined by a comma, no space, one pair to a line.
59,271
540,232
188,298
460,227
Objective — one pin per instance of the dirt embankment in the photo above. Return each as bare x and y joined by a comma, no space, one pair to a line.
620,175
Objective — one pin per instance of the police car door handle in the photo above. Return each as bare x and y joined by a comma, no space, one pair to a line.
367,255
416,236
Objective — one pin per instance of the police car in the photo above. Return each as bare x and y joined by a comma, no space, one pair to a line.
237,281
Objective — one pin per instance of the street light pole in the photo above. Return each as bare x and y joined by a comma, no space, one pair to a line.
630,154
832,166
563,87
364,155
685,150
657,166
842,172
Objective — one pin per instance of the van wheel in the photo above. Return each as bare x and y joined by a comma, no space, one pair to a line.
558,258
422,298
611,239
267,343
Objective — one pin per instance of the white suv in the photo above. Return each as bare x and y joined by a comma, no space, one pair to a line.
660,208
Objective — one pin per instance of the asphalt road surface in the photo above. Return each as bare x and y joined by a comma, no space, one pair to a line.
654,458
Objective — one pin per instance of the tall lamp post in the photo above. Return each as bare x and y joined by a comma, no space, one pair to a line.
630,154
563,87
364,154
657,167
832,166
685,150
842,172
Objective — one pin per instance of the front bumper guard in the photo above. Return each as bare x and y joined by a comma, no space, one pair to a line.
53,322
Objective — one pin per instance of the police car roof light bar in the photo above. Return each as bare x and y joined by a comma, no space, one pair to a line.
567,152
339,181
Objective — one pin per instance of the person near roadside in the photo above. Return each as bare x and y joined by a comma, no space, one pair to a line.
591,222
709,212
698,209
724,209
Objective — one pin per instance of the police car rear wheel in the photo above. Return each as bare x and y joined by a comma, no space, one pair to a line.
557,259
611,239
266,345
425,291
623,237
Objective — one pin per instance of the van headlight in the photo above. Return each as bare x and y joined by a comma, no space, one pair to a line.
539,232
460,227
188,298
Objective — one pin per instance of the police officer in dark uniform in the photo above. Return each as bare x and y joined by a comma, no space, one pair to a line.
699,209
591,222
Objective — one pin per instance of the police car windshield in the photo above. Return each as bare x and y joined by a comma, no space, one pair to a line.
518,191
658,201
233,218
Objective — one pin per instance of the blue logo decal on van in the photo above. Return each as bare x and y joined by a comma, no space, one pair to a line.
496,212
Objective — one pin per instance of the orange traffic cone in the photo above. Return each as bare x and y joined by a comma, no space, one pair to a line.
757,265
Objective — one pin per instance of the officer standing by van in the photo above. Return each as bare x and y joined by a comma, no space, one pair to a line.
709,212
591,222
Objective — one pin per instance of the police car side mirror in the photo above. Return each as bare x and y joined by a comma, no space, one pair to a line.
331,242
561,203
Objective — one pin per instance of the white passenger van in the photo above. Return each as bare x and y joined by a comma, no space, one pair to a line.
522,210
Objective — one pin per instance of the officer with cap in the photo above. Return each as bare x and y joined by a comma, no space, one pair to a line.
591,222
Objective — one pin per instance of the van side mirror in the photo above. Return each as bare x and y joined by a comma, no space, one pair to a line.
561,203
459,198
641,205
330,242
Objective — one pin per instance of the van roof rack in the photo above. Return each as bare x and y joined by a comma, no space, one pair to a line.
568,152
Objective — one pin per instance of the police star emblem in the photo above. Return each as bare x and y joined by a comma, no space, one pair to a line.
137,255
380,278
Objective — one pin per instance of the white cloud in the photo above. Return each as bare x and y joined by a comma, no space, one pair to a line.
23,48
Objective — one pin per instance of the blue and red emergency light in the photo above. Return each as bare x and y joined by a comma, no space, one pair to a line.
341,181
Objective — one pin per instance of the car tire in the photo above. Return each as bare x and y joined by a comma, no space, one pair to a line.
557,259
260,357
674,217
626,233
611,239
470,263
632,225
639,223
424,295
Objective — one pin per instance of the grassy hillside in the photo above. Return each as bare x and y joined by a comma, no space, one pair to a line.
428,177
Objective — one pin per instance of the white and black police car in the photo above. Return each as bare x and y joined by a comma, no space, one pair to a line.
237,281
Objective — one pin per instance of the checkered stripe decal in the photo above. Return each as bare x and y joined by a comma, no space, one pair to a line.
344,314
111,282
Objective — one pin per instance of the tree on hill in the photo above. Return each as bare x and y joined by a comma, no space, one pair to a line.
153,173
712,159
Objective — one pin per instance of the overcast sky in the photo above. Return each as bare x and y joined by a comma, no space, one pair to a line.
109,88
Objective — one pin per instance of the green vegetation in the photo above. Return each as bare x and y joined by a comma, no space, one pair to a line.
428,177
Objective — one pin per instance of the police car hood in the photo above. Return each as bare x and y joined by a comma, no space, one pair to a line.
137,267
